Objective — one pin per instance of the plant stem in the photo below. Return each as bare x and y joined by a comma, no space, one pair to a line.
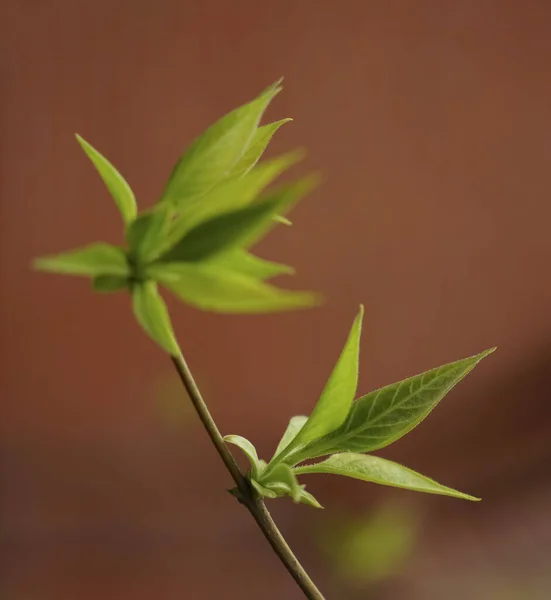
255,505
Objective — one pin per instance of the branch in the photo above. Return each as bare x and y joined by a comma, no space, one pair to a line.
255,505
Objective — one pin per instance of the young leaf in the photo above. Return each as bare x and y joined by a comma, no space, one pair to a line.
278,489
109,283
239,228
282,478
214,289
295,425
230,195
114,181
381,471
92,260
261,138
264,492
307,498
213,154
240,261
336,398
145,235
385,415
152,314
248,449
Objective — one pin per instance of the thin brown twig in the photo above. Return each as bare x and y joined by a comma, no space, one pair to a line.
254,504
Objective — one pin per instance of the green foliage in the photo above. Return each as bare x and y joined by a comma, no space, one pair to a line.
211,287
260,139
344,429
336,398
114,181
385,415
379,470
89,261
239,228
196,239
151,313
213,155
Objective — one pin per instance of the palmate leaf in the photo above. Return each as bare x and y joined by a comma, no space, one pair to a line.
260,139
95,259
239,228
209,287
116,184
385,415
381,471
151,313
213,154
336,398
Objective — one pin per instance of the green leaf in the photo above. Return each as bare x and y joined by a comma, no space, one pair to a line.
294,426
213,154
239,228
248,449
308,499
92,260
381,471
210,288
282,479
336,398
114,181
385,415
264,492
152,314
277,489
229,195
240,261
109,283
260,139
145,236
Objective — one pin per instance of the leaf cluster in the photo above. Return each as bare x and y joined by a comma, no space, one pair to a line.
196,240
344,430
196,243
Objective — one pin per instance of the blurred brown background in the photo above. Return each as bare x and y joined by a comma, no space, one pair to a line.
430,121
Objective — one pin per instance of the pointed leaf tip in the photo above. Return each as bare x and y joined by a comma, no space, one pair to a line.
383,416
336,398
378,470
115,183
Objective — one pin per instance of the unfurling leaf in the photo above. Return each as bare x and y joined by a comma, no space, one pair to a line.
381,471
92,260
385,415
212,155
260,139
109,283
282,482
152,314
239,228
295,425
209,287
240,261
336,398
116,184
249,450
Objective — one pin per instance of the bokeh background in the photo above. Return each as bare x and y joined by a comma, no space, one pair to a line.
431,123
